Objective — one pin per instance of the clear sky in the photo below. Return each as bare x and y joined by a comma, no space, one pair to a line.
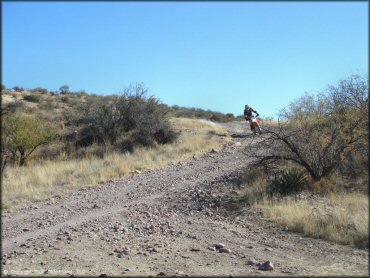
210,55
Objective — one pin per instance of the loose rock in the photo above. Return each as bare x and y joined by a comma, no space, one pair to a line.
219,245
252,262
224,250
266,266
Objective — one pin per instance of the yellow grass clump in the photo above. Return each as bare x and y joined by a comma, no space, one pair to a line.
39,181
342,218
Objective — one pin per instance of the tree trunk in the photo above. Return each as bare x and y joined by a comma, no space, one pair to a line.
23,157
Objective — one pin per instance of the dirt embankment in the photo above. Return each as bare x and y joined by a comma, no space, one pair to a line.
165,222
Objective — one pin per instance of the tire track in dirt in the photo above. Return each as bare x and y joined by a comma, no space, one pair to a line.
95,202
150,222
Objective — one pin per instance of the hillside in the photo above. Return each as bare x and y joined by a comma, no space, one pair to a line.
70,161
120,185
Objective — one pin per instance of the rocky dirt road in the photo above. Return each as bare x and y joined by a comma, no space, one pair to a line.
173,221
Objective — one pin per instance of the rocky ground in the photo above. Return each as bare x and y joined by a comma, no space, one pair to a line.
181,220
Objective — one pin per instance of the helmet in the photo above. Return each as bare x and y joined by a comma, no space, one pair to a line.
246,106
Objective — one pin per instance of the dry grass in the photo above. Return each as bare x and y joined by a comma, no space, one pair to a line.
39,181
193,125
341,218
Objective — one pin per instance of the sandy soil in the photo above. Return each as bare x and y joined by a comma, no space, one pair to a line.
166,222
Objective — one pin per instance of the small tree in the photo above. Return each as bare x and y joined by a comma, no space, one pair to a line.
316,132
22,135
64,89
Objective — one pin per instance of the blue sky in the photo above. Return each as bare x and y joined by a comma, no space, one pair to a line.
210,55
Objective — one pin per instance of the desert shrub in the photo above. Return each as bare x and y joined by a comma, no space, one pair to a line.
65,99
52,151
215,118
81,93
74,102
320,131
132,115
39,90
323,187
125,145
18,88
94,150
30,110
32,98
288,182
48,104
87,137
11,107
355,161
151,130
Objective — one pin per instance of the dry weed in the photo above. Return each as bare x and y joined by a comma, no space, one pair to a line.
323,187
42,180
341,218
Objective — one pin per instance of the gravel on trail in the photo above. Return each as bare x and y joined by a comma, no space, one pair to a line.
175,221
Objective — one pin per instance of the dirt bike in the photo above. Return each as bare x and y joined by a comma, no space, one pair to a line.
255,125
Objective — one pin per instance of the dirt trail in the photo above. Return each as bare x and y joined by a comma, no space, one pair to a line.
165,222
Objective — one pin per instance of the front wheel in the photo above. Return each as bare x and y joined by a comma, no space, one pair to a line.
255,127
258,128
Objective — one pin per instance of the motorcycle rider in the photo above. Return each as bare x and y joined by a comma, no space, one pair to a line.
248,114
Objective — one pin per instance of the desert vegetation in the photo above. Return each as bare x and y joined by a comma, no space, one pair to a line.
318,153
309,171
197,113
339,217
53,143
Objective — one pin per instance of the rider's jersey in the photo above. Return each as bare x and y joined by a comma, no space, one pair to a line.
248,113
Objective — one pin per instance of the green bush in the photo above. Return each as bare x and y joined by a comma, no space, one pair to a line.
22,135
288,182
